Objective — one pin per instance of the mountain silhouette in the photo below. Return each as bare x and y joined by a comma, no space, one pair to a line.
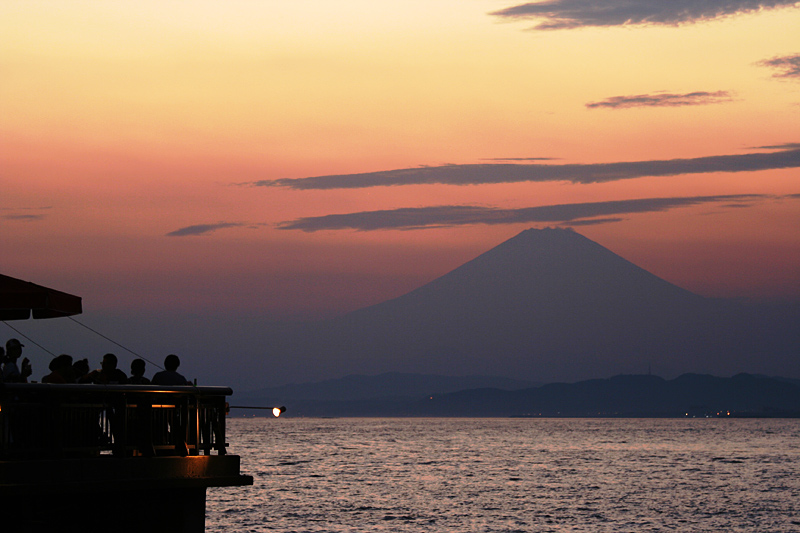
547,305
689,395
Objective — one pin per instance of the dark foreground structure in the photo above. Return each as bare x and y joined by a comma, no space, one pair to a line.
122,458
105,458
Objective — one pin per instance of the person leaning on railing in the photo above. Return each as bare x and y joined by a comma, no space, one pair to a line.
170,375
60,370
168,378
107,374
80,369
137,373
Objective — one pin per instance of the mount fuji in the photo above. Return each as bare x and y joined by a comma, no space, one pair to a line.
546,305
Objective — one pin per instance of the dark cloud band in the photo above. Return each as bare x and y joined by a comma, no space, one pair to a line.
24,214
570,14
459,215
23,217
202,229
491,173
663,100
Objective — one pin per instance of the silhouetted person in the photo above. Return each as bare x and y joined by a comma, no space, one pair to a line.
177,428
60,370
80,369
18,424
107,374
170,375
11,372
143,421
110,414
137,373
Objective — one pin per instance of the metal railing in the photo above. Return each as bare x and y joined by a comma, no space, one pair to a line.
41,421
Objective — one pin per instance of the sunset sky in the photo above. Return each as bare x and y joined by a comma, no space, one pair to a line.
295,160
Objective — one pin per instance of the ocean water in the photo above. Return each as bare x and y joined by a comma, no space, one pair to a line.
512,475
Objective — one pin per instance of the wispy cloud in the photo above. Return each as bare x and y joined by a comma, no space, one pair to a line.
786,66
518,159
23,217
203,229
570,14
24,214
489,173
663,100
784,146
458,215
592,221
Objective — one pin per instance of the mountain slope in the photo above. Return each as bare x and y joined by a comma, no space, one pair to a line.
546,305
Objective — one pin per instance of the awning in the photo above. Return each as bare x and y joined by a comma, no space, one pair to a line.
20,299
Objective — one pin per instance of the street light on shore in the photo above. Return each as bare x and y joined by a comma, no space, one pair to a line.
276,411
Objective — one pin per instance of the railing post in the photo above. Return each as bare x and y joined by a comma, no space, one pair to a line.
219,416
119,424
144,425
182,430
196,425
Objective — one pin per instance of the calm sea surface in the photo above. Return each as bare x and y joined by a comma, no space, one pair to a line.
509,475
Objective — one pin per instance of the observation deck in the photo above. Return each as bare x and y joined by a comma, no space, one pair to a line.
123,458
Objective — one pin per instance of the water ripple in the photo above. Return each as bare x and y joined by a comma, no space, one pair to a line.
507,475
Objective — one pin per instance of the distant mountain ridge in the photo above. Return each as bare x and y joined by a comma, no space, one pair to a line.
391,385
689,395
630,395
547,305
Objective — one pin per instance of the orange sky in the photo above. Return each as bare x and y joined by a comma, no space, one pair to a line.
124,122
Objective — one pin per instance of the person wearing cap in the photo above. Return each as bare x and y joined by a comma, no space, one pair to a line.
11,372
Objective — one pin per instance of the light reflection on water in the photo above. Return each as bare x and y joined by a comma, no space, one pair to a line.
508,475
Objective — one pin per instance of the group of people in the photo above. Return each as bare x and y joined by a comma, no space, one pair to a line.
64,370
